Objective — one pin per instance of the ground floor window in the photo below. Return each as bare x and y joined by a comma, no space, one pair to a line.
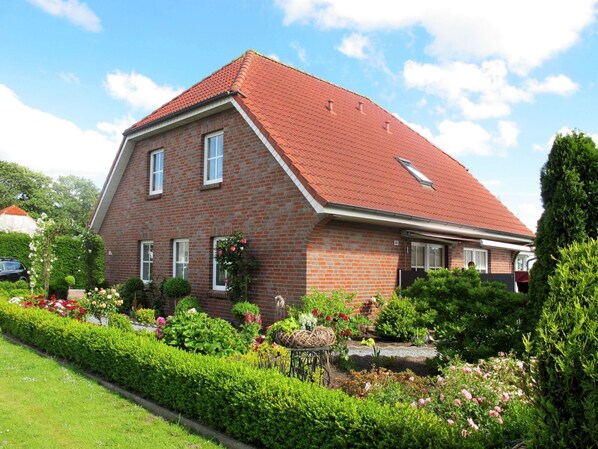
180,258
427,256
218,272
479,257
147,260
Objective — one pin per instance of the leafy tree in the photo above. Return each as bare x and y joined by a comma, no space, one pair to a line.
27,189
74,199
569,181
69,200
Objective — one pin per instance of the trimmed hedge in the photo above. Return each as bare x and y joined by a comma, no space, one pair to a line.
70,259
257,406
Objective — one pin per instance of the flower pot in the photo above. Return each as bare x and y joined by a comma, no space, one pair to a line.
319,337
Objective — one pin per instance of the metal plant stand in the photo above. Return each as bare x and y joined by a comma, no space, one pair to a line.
310,364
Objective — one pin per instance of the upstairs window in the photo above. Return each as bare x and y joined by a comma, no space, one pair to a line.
214,155
156,171
427,256
479,258
423,179
180,258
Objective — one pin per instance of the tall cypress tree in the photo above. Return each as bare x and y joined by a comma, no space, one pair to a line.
569,182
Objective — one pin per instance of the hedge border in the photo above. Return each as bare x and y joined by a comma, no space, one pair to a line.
255,406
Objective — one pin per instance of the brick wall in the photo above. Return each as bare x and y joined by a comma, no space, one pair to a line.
255,197
354,257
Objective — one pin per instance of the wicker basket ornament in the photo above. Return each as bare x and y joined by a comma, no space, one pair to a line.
319,337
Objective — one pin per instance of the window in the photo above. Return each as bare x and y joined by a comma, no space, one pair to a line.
180,258
427,256
156,171
478,256
218,273
147,260
423,179
214,155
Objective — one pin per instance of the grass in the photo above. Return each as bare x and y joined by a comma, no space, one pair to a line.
44,404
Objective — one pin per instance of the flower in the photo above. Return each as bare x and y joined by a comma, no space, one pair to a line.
191,311
161,321
328,318
505,397
466,394
457,402
232,249
450,422
472,424
368,386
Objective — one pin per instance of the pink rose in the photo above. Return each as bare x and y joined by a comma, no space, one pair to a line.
450,422
466,394
220,252
243,241
233,249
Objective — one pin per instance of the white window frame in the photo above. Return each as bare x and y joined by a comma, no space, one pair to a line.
417,174
207,159
153,189
472,258
150,262
215,266
177,260
426,262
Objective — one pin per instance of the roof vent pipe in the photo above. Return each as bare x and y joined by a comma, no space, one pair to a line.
330,105
387,126
360,106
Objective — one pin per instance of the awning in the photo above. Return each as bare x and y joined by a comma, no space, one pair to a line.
444,238
511,246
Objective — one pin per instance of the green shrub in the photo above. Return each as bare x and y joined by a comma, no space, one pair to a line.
19,288
241,308
131,292
398,319
121,322
146,317
197,332
188,302
473,319
245,402
176,287
568,351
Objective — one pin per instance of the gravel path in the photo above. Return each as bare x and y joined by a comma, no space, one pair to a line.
393,350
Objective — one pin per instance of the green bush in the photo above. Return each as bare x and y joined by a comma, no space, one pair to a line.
146,317
228,395
176,287
473,319
241,308
398,319
131,292
197,332
188,302
121,322
20,288
568,351
15,244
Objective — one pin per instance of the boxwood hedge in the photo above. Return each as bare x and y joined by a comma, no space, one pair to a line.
259,407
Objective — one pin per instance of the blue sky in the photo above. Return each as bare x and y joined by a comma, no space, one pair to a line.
490,83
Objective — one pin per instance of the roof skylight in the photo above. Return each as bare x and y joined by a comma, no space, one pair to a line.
423,179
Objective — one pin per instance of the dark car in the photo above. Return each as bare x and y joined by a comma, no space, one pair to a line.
12,270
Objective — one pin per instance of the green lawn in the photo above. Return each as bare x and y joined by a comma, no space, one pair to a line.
45,405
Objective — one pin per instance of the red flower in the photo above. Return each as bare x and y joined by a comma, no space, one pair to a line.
348,332
315,312
328,318
243,241
233,249
345,317
220,252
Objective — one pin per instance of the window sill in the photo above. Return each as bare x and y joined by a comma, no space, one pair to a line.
215,185
153,196
219,294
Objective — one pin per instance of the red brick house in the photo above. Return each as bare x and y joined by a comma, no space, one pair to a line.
331,190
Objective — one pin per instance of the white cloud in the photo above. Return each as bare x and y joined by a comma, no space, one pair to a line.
72,10
528,213
115,128
301,53
559,84
565,131
354,46
480,91
466,137
273,56
524,34
69,77
50,144
139,90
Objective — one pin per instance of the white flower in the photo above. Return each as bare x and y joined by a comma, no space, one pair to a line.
192,311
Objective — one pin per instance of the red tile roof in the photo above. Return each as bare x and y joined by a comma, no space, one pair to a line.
343,155
13,210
